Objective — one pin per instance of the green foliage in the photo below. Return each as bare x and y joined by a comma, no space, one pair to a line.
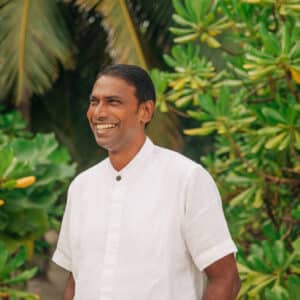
12,274
251,107
25,158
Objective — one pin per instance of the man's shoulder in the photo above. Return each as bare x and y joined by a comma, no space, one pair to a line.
175,160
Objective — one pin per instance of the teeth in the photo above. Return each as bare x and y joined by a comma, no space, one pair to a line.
105,126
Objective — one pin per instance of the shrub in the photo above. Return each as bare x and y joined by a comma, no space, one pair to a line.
250,104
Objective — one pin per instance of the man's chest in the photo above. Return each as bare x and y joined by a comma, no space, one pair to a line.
128,223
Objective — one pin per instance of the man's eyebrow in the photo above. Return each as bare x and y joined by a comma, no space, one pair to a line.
113,97
92,97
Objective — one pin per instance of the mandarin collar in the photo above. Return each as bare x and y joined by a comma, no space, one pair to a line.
136,164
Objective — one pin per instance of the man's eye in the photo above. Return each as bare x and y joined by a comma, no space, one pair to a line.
114,101
93,102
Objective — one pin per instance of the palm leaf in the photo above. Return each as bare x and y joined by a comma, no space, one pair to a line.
33,41
123,41
155,19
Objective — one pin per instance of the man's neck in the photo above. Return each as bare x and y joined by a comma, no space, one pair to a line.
120,159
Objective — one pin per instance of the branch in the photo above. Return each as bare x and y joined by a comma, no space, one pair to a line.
178,112
230,52
280,180
260,100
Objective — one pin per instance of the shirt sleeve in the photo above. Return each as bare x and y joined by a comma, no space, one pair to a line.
205,228
62,254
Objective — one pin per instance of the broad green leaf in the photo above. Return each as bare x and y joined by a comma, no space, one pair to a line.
34,40
6,158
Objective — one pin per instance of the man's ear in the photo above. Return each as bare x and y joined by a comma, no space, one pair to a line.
146,111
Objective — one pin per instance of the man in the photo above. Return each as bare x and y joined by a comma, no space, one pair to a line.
146,223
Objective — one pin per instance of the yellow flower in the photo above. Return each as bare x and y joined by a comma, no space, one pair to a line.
25,182
2,202
295,75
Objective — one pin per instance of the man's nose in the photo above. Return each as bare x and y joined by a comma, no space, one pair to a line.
101,110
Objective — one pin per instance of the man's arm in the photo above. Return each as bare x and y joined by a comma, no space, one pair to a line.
70,288
223,279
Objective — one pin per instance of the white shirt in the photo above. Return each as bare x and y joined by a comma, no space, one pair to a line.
148,236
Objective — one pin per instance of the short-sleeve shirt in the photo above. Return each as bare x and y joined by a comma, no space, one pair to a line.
146,232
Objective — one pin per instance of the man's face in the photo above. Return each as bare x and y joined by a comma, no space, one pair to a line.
115,117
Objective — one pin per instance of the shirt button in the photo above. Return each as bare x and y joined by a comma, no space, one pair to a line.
118,178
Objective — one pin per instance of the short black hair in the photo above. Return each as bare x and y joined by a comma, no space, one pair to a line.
134,76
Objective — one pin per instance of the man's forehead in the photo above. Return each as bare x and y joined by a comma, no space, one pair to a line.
110,85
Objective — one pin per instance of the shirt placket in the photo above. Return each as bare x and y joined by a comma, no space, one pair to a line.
112,241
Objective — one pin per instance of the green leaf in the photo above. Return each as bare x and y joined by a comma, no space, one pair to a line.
180,9
14,263
297,139
296,245
269,130
182,21
243,197
6,158
294,287
270,41
275,141
280,252
273,115
285,143
3,257
199,131
258,200
270,254
22,277
260,286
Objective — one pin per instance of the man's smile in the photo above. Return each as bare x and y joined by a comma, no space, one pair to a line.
103,129
105,126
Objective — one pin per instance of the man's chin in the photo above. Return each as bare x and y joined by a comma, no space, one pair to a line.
104,143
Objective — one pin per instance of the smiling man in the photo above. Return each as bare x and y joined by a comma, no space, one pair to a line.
146,223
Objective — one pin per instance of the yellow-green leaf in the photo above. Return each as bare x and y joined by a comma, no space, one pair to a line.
199,131
275,141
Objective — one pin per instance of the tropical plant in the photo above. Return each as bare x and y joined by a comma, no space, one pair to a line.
249,104
12,275
24,159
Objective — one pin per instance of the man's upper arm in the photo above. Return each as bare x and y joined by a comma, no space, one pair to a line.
205,228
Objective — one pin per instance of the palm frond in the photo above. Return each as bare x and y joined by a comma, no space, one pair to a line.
154,19
123,40
33,41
